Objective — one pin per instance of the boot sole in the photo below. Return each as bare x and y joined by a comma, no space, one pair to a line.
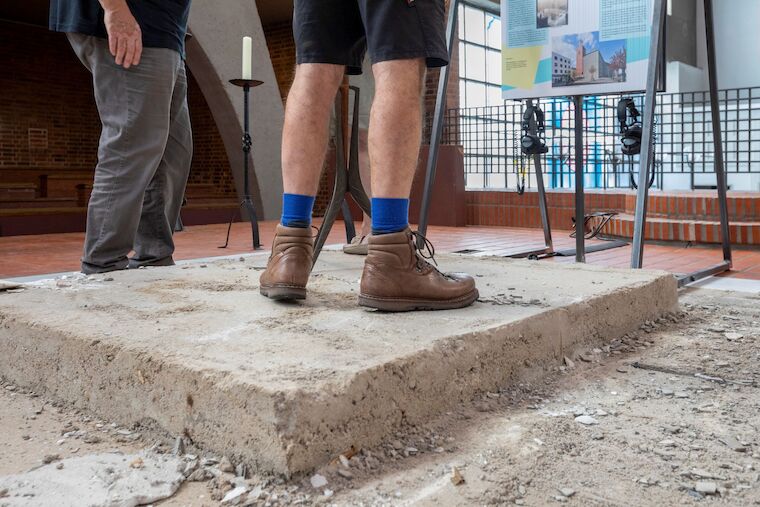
283,293
408,305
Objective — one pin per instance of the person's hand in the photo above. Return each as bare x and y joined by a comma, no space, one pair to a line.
124,35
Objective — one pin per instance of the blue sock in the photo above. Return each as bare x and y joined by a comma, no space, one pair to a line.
389,215
296,210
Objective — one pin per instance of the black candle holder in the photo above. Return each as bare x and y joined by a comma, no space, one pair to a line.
247,202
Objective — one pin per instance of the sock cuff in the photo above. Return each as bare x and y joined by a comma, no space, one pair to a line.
389,215
296,210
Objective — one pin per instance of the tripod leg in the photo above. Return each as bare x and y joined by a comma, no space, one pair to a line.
348,220
438,120
355,186
229,227
248,206
331,214
339,190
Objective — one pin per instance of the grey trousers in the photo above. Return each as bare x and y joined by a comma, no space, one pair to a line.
143,158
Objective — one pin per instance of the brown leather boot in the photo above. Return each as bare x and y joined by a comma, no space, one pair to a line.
397,278
289,265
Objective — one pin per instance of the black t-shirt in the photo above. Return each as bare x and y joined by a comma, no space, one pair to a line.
163,22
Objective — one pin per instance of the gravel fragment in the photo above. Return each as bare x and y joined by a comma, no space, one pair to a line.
586,420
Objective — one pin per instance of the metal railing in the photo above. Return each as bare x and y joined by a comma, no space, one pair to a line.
683,143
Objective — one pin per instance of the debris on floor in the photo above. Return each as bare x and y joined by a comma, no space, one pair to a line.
108,479
667,415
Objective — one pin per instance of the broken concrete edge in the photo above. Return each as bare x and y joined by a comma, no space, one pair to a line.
296,431
419,386
109,381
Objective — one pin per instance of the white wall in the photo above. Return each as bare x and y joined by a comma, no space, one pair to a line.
737,39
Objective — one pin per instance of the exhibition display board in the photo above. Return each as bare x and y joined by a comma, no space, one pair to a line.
556,48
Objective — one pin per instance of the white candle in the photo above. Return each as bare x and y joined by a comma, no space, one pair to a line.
247,57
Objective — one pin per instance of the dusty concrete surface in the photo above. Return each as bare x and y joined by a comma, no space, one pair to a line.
285,387
108,479
686,418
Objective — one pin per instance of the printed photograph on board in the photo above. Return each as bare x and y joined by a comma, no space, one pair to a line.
551,13
582,59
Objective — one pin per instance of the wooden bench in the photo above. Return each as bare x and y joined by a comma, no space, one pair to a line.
203,191
39,203
63,184
17,191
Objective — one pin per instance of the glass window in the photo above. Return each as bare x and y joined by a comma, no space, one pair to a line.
493,67
474,25
479,58
460,24
475,62
479,91
494,96
476,94
493,31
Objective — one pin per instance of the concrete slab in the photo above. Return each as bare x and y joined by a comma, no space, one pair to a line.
287,387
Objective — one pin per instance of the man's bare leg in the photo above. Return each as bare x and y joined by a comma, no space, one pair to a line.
395,126
307,124
396,276
304,142
395,123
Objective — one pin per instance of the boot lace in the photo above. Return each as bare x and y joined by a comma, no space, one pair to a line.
424,250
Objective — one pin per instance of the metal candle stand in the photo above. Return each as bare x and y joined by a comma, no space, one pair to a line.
247,202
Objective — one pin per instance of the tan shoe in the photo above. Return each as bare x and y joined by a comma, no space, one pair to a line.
398,278
358,246
289,265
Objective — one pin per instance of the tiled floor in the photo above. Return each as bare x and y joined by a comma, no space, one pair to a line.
34,255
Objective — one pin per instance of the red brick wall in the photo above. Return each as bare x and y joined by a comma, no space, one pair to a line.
45,92
282,51
672,216
506,208
48,119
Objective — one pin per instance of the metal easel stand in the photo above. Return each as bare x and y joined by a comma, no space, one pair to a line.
437,128
347,177
637,255
580,203
581,249
548,248
247,202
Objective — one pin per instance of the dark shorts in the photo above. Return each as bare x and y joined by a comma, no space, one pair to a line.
341,31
